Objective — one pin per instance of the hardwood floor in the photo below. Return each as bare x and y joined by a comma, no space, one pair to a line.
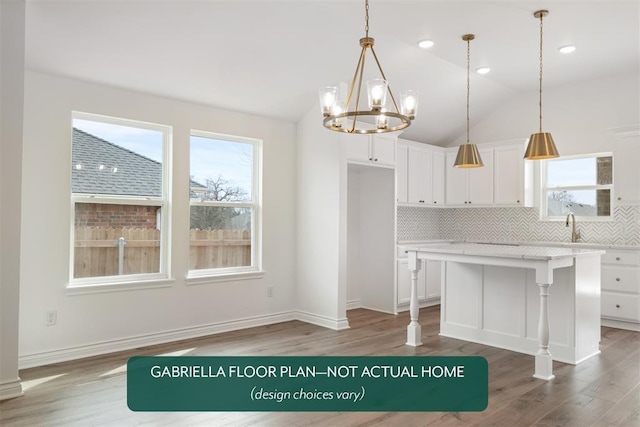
603,391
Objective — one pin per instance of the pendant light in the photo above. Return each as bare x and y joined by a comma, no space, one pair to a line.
468,155
336,113
541,145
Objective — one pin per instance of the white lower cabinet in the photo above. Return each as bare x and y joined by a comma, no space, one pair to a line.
428,284
620,283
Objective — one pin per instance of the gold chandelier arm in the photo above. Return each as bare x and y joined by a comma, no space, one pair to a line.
358,74
385,78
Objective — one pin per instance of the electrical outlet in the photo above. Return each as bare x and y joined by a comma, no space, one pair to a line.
52,317
270,291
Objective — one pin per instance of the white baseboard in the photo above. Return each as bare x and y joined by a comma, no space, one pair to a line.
353,304
79,352
631,326
324,321
11,389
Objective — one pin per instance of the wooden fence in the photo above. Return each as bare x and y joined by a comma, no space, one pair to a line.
97,250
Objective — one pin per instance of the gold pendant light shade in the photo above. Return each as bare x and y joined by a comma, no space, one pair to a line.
468,155
541,145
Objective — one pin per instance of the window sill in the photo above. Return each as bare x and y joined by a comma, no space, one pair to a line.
95,288
196,279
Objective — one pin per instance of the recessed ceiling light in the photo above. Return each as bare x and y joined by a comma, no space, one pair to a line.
425,44
567,49
483,70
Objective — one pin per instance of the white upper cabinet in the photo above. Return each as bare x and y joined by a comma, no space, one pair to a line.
379,150
626,173
510,186
401,173
424,174
419,176
469,186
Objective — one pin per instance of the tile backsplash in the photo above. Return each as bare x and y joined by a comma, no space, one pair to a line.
513,224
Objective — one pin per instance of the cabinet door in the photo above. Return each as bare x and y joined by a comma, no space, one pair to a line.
437,178
456,182
626,182
401,174
358,147
419,182
509,175
481,180
383,149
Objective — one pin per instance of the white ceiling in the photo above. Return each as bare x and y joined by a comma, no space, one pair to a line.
270,57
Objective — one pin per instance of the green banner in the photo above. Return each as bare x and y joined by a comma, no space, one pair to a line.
307,383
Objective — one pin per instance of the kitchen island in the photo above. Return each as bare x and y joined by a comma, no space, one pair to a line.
543,301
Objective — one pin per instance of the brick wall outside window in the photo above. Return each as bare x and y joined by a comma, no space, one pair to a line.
115,216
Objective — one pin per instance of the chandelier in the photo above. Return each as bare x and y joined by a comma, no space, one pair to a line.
345,117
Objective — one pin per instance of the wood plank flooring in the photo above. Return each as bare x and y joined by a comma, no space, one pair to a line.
603,391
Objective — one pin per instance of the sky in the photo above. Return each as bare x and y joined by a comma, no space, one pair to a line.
574,172
210,158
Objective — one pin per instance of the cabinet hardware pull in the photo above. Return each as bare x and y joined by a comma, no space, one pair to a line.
435,201
617,279
517,201
617,305
617,258
619,198
371,158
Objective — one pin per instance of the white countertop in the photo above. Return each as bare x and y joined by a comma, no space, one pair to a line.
503,250
577,245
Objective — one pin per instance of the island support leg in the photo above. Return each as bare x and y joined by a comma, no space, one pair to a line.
544,361
414,330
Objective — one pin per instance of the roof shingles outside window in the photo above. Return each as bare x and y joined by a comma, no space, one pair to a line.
101,167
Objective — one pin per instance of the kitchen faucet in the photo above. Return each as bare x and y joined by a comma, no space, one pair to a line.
575,235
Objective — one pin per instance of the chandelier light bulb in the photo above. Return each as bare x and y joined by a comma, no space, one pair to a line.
377,89
409,103
328,99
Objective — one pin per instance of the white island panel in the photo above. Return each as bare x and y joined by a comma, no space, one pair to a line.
534,300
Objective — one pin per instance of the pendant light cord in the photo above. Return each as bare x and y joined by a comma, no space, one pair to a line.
468,83
540,89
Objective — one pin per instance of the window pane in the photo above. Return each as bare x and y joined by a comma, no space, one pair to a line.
567,173
116,160
221,170
220,237
580,202
605,170
112,240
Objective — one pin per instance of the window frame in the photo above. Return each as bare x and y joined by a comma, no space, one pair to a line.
129,281
544,189
208,275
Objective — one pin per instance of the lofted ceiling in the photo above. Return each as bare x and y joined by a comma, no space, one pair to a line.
270,57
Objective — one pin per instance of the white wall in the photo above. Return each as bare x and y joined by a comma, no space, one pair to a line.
578,115
321,224
12,24
96,323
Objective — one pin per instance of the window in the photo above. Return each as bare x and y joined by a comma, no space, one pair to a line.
580,184
119,191
224,193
